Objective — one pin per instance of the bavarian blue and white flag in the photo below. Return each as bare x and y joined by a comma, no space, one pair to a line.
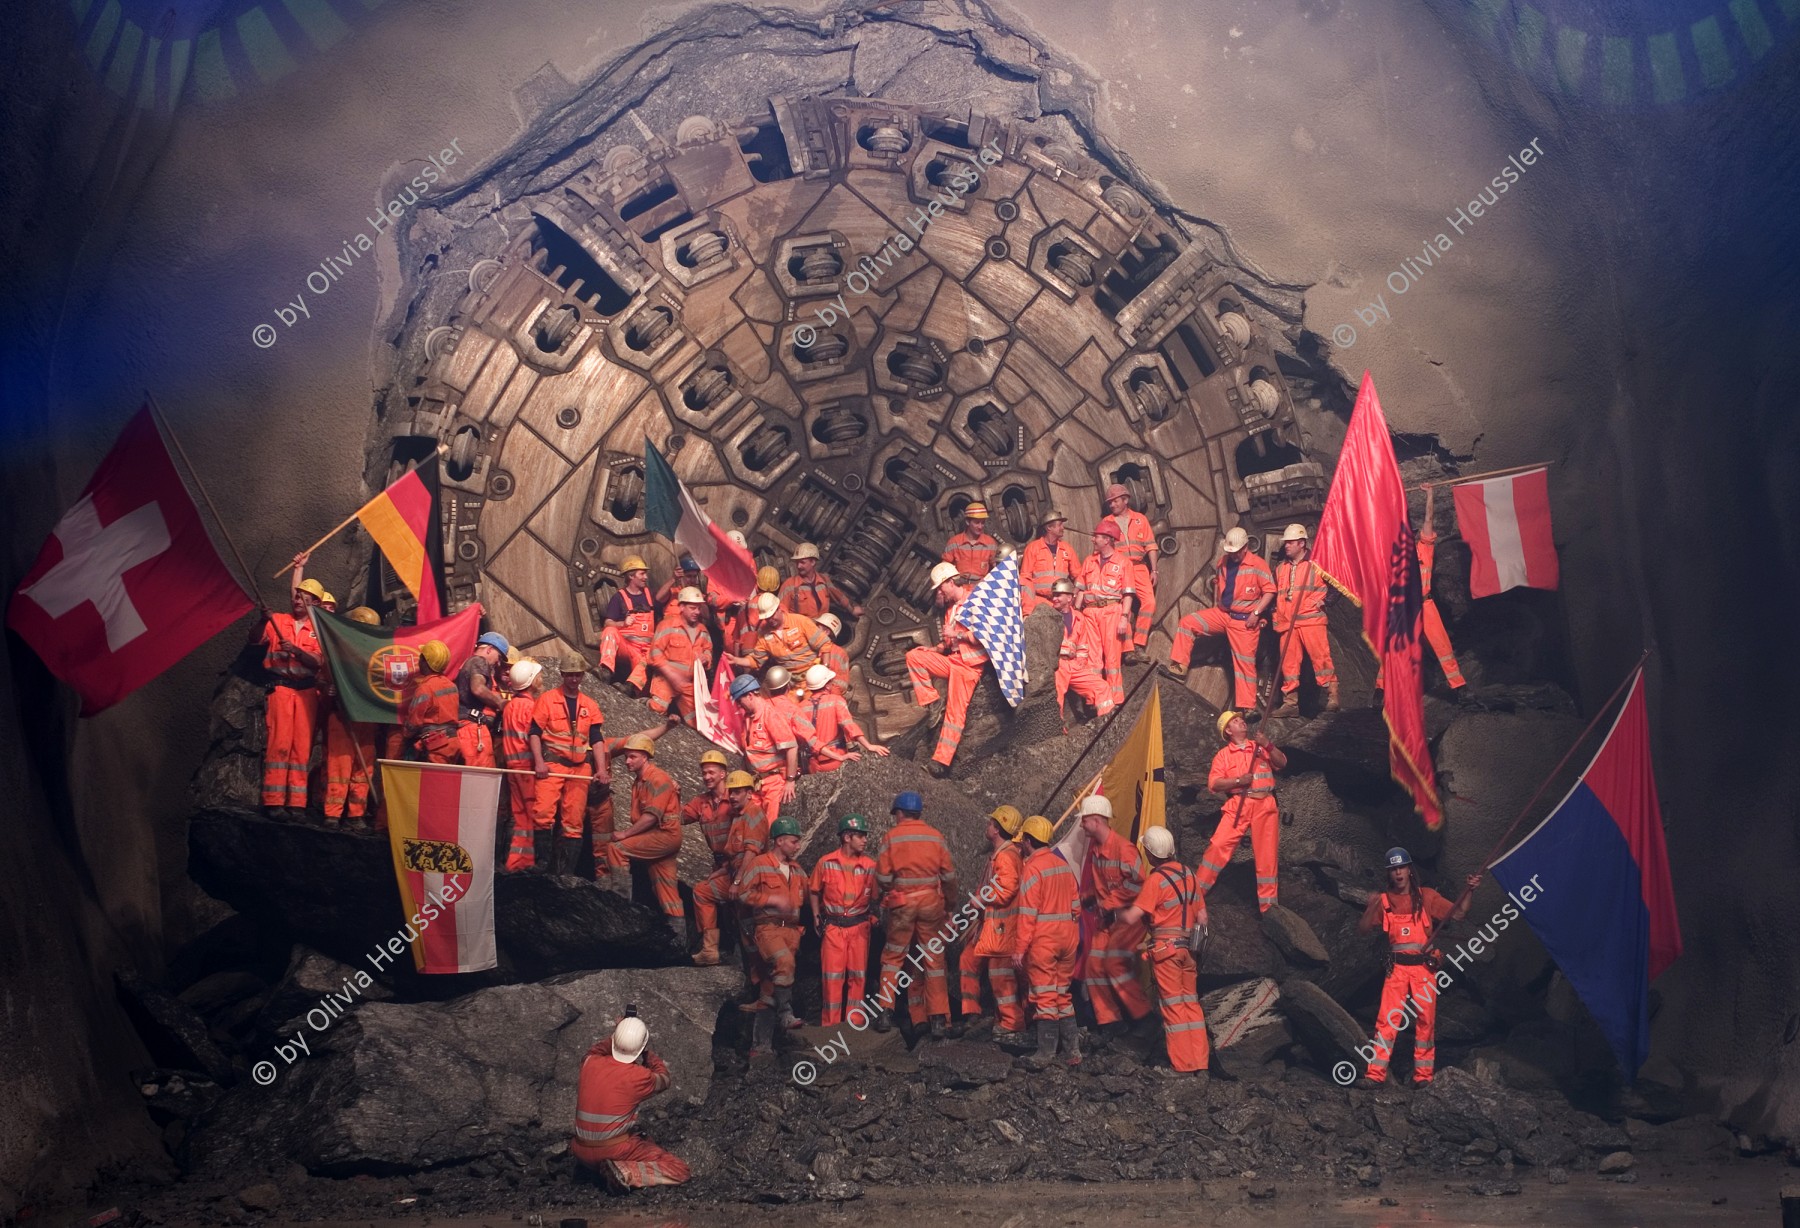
994,613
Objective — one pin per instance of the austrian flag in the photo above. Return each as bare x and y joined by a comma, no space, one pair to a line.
1506,522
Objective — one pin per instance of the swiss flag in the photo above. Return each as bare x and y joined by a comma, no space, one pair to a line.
129,582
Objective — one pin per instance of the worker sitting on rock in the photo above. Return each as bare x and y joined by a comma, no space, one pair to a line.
1244,772
1300,593
1407,914
654,836
428,707
1081,660
679,645
1243,589
1045,560
1048,938
629,625
772,891
843,910
1174,907
618,1075
973,552
916,877
809,592
996,941
957,656
687,575
839,736
1111,972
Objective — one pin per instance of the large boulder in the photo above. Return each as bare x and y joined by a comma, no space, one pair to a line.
393,1087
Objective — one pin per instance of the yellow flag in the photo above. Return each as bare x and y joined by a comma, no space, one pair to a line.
1133,781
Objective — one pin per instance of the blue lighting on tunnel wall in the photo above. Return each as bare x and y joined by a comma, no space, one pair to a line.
1616,53
145,50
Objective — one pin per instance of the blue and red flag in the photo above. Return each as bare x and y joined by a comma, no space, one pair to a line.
1593,881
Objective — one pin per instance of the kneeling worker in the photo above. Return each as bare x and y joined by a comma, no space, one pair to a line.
617,1075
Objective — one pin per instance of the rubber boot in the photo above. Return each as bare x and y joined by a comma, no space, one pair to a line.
1046,1047
884,1021
1331,699
1290,705
784,1009
543,849
568,850
938,1027
762,1035
1069,1036
708,955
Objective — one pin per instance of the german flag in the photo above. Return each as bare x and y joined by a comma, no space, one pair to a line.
403,520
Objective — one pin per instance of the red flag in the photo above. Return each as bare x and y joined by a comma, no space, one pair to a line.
129,582
717,716
1506,522
1365,545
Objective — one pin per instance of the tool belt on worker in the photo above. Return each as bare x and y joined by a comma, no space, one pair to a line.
1094,599
1411,959
854,919
757,923
294,684
1234,616
559,761
480,715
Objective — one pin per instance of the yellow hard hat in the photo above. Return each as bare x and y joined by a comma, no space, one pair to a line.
1225,718
714,756
1008,818
740,779
436,655
327,599
1038,828
976,511
363,614
768,579
631,564
641,742
310,585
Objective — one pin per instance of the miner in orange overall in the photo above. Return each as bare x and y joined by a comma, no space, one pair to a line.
772,737
916,878
1048,938
1174,906
996,941
792,641
973,552
1111,972
654,836
957,657
566,742
711,809
1408,914
1431,620
629,624
680,644
1108,586
292,654
809,592
1300,592
749,838
531,845
1244,771
772,892
1082,657
1138,540
617,1076
837,730
843,910
428,707
1044,561
478,699
1242,590
349,752
688,574
832,655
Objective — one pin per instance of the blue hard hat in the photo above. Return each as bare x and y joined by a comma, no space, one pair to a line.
1397,857
743,685
910,802
688,564
496,641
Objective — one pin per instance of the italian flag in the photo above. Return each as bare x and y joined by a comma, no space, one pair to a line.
669,510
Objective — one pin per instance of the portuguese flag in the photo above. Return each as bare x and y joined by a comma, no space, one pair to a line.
403,520
369,665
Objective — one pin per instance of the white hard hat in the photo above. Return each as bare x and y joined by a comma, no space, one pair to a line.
1294,533
1236,539
690,596
818,676
1159,842
767,604
806,550
941,573
1095,804
524,675
738,538
629,1039
831,622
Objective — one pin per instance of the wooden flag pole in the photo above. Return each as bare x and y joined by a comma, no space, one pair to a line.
168,432
1476,477
1080,796
346,521
1098,734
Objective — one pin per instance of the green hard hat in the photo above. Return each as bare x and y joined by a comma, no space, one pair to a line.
786,825
853,822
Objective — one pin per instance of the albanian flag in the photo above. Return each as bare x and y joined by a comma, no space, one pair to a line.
403,520
370,665
1366,548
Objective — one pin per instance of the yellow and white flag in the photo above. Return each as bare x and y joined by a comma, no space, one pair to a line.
441,828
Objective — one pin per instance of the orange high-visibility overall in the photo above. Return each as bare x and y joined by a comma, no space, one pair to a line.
962,666
1042,565
1105,584
1138,540
630,637
654,795
994,947
678,646
1110,973
515,752
291,714
1410,978
1081,660
1227,616
811,598
914,870
567,752
1253,810
606,1105
428,714
1048,934
347,774
1175,904
973,555
772,892
845,885
1299,619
